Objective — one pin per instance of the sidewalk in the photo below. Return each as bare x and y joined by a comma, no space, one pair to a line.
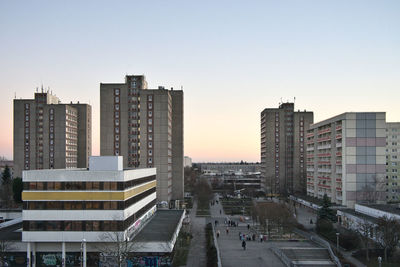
197,252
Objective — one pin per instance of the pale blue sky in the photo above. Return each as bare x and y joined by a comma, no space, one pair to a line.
234,58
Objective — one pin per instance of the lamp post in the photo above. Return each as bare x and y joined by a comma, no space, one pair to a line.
83,252
337,241
380,261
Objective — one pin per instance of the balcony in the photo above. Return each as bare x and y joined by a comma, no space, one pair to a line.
338,162
324,178
324,154
338,136
338,144
338,171
327,146
310,183
339,189
339,127
324,186
339,154
310,169
311,148
309,135
324,162
328,138
328,130
310,142
339,197
323,170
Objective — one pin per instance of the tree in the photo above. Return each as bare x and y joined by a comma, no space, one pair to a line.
325,212
388,234
5,246
6,187
365,230
116,247
6,175
17,187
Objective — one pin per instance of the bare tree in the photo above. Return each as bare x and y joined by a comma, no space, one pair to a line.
116,247
5,246
365,231
388,233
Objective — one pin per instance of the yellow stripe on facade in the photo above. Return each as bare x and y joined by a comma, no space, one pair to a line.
86,195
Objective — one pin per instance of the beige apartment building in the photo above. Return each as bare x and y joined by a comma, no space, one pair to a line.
51,135
393,161
145,126
283,164
346,158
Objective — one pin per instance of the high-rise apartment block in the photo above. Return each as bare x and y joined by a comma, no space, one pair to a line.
393,161
51,135
145,126
346,158
283,164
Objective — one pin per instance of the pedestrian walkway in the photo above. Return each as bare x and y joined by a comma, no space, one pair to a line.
230,246
197,252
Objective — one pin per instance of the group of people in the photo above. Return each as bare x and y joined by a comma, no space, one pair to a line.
231,223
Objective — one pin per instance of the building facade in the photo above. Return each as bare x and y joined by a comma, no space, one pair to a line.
393,161
346,158
63,208
283,166
145,126
51,135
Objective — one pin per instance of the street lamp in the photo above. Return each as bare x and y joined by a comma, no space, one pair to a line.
337,241
83,253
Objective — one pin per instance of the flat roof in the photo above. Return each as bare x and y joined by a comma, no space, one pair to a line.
360,215
161,227
395,209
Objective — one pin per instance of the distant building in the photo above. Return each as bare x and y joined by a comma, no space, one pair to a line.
145,126
283,166
346,158
228,168
51,135
188,162
393,161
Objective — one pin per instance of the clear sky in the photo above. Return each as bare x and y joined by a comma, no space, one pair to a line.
233,58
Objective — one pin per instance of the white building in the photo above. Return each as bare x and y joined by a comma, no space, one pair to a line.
346,158
187,162
64,209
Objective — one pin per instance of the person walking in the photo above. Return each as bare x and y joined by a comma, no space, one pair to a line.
244,245
218,233
227,230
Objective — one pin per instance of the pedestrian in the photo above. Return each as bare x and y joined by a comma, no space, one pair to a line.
227,230
244,245
254,237
311,222
220,211
218,233
240,234
248,226
261,238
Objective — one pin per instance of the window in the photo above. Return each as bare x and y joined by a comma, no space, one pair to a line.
116,106
116,91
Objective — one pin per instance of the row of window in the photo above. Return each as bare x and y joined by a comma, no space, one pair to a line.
98,226
70,186
86,205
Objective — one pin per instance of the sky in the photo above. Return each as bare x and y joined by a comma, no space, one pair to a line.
233,59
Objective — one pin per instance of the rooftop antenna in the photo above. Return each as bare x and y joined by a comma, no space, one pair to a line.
42,87
15,95
294,101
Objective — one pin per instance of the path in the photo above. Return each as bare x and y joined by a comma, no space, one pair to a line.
197,251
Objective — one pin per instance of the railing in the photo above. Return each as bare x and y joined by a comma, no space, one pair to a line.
283,257
324,146
216,246
322,243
